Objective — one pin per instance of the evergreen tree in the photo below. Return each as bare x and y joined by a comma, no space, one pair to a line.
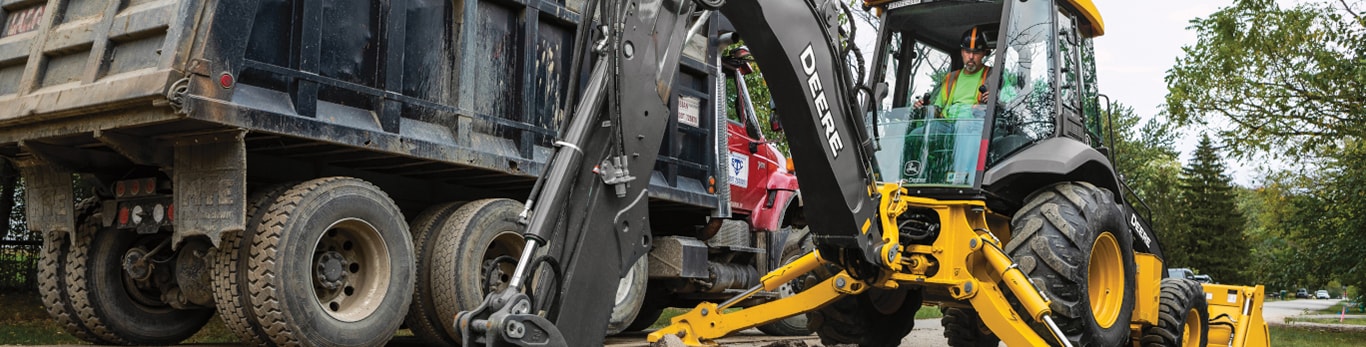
1213,241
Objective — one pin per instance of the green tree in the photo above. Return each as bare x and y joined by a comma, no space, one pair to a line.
760,99
1146,157
1215,244
1288,79
1336,244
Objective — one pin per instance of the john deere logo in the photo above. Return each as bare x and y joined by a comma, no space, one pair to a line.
913,168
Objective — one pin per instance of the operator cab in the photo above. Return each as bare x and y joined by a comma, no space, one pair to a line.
1034,69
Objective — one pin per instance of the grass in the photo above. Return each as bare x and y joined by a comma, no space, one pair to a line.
1337,308
1353,321
23,321
1302,337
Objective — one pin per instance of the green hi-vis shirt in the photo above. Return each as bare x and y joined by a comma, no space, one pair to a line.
963,94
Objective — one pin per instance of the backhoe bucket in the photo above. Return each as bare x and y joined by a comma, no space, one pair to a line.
1236,315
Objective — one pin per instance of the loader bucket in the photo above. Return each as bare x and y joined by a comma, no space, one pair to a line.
1236,315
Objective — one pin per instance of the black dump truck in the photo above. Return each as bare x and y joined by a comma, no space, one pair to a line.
318,172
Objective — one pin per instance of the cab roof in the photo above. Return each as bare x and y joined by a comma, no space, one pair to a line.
1091,22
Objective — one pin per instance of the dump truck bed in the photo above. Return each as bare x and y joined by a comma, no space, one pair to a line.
466,93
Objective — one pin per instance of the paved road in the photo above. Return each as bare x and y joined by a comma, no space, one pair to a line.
1275,312
927,332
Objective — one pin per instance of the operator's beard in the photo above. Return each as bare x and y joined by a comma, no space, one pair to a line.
972,68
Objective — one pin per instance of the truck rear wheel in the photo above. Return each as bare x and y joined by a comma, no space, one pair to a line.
1183,318
123,306
331,265
874,318
52,285
630,296
1071,240
230,275
798,244
475,254
422,317
964,328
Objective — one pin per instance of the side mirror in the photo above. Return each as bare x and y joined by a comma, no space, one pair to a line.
773,122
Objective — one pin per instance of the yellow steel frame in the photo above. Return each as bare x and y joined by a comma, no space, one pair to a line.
967,255
1147,290
1236,315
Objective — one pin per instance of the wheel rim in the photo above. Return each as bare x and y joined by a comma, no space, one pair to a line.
624,286
142,289
506,243
350,270
1105,280
1190,332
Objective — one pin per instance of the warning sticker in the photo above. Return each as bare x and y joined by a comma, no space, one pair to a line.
689,110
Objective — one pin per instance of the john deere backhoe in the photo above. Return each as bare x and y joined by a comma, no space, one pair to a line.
1008,216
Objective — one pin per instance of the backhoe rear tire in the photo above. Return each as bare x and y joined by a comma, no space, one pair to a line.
964,328
1070,239
874,318
1182,319
331,265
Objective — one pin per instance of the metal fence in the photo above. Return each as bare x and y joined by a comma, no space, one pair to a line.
20,249
19,262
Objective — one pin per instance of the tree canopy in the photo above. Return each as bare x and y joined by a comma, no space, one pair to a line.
1272,78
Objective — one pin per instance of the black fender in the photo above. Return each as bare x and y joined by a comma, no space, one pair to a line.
1056,160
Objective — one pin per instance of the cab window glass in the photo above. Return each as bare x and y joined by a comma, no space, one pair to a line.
1026,104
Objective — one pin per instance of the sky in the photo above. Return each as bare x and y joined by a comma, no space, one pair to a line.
1142,41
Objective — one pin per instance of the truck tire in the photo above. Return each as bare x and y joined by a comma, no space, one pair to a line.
798,244
331,265
230,274
630,296
473,239
52,286
111,303
422,317
964,328
656,300
1183,318
874,318
1070,239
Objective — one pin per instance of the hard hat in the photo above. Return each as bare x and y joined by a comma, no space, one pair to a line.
975,40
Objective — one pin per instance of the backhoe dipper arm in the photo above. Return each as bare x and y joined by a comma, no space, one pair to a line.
795,44
589,209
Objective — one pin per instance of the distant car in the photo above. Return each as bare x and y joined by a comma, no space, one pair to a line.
1322,294
1204,279
1181,272
1302,293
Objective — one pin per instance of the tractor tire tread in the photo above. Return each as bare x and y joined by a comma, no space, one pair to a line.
1178,297
962,329
1052,247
